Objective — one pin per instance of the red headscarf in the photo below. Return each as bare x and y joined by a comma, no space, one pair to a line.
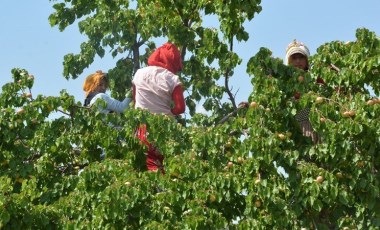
167,56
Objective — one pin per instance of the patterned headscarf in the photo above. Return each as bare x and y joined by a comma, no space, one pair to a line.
166,56
294,48
93,81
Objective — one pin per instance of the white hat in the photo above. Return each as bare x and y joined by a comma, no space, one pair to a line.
294,48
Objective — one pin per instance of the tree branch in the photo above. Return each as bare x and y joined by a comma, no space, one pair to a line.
334,67
225,118
226,76
136,56
68,114
242,105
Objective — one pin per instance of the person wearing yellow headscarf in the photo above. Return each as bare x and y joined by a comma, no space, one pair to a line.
95,87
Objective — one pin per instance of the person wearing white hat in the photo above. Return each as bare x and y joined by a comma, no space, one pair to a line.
297,55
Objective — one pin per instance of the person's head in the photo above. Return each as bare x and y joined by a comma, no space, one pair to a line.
166,56
96,82
297,55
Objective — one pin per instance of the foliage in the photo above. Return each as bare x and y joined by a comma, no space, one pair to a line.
254,171
344,114
128,26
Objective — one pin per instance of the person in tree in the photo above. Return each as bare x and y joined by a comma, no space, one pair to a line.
155,88
95,87
297,55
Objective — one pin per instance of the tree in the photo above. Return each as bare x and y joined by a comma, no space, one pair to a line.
125,26
218,176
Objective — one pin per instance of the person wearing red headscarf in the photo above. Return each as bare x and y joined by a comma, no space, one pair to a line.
155,87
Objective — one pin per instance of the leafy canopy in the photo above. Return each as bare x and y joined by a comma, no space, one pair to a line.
254,171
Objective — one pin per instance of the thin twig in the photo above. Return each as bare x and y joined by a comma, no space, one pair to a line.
64,112
225,118
334,67
242,105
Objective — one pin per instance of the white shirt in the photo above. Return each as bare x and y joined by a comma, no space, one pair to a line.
112,104
154,88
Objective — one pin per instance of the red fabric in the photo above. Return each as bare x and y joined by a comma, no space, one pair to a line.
179,100
297,95
166,56
320,81
154,159
134,93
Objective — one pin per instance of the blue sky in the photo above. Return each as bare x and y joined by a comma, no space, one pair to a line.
27,40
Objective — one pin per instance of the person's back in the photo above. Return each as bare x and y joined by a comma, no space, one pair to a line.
154,89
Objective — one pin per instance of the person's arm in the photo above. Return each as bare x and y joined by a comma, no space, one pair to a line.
113,104
134,93
179,100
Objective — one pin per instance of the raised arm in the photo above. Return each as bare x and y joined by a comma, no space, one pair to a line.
113,104
179,101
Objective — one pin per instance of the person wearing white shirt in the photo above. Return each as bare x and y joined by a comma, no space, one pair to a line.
95,86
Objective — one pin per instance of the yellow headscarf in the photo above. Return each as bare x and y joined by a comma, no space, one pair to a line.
93,81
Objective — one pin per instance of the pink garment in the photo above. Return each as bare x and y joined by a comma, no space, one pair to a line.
154,87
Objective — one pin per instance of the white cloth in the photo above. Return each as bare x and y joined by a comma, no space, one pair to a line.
154,88
296,47
112,104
